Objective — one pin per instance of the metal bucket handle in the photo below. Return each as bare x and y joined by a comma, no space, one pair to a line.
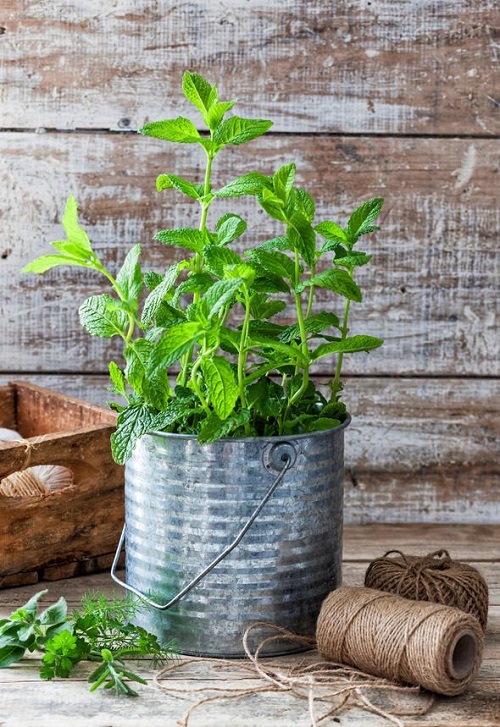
282,455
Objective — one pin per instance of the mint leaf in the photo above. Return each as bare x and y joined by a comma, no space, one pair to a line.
129,278
251,183
275,262
179,130
229,228
348,345
360,222
216,258
272,204
100,316
283,180
132,423
197,91
221,383
75,234
314,324
187,237
117,378
171,181
174,344
219,295
137,355
337,280
155,298
236,130
214,428
331,231
47,262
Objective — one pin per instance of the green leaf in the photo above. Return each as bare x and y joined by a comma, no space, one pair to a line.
216,258
305,203
283,180
100,316
179,130
219,295
331,231
293,353
348,345
137,354
171,181
337,280
213,428
176,341
236,130
117,378
360,222
229,228
276,263
277,243
302,238
187,237
314,324
133,422
197,283
47,262
251,183
198,91
261,307
155,298
319,424
55,614
216,113
242,271
129,278
272,204
75,234
221,383
353,259
10,654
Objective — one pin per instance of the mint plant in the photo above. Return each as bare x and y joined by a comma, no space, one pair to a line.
211,347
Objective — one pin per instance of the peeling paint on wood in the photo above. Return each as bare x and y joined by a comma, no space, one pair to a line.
365,67
429,292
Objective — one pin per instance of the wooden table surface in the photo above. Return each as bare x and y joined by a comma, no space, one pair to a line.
26,701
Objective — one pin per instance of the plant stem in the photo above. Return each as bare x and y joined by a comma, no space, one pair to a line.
344,330
242,355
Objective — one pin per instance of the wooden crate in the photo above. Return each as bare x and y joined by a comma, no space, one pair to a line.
70,531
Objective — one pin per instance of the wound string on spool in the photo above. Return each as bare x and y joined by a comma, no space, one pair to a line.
434,577
412,642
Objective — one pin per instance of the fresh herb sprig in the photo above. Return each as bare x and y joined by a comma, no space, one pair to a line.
220,320
100,631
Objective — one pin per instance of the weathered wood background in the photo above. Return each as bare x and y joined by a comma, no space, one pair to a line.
370,97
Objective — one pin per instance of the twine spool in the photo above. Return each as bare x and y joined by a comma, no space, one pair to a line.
414,642
434,577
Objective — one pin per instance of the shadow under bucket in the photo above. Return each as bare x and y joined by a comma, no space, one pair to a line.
255,523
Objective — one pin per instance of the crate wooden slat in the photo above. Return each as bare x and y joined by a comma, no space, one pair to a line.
69,531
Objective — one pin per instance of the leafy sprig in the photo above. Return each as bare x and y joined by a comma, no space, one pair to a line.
100,630
209,347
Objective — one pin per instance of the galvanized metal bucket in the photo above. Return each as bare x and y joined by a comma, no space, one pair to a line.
223,535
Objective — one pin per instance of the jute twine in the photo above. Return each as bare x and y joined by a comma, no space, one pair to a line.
327,688
29,481
434,577
414,642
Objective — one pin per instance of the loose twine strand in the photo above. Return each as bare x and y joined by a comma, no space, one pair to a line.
435,577
321,682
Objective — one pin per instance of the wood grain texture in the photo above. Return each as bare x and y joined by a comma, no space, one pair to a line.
417,450
430,290
28,701
378,67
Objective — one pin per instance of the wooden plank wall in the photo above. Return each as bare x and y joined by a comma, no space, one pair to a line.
370,97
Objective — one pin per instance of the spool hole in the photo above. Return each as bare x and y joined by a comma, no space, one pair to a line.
462,655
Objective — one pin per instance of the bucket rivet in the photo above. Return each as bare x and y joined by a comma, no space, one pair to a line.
275,456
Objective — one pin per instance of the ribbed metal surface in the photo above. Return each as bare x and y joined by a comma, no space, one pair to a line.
185,503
